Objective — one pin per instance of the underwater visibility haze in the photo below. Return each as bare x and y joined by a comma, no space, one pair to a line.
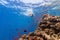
19,17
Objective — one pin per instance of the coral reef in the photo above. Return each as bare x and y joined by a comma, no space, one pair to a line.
48,29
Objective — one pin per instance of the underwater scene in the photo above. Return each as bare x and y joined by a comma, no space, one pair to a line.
19,18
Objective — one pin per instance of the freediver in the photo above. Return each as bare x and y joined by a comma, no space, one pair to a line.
31,14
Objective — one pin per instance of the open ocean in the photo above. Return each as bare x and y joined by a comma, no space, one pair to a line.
13,23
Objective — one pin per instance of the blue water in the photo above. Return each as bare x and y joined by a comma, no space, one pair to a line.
12,24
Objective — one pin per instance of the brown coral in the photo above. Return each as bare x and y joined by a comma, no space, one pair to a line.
48,29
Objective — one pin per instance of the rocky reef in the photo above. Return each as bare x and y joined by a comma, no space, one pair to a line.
48,29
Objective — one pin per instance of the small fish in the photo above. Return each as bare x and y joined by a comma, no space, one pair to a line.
25,30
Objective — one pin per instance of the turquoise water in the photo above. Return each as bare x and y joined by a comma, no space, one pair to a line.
13,25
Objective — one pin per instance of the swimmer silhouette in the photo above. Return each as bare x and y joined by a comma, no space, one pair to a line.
30,14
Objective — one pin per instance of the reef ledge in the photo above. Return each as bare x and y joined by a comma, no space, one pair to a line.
48,29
